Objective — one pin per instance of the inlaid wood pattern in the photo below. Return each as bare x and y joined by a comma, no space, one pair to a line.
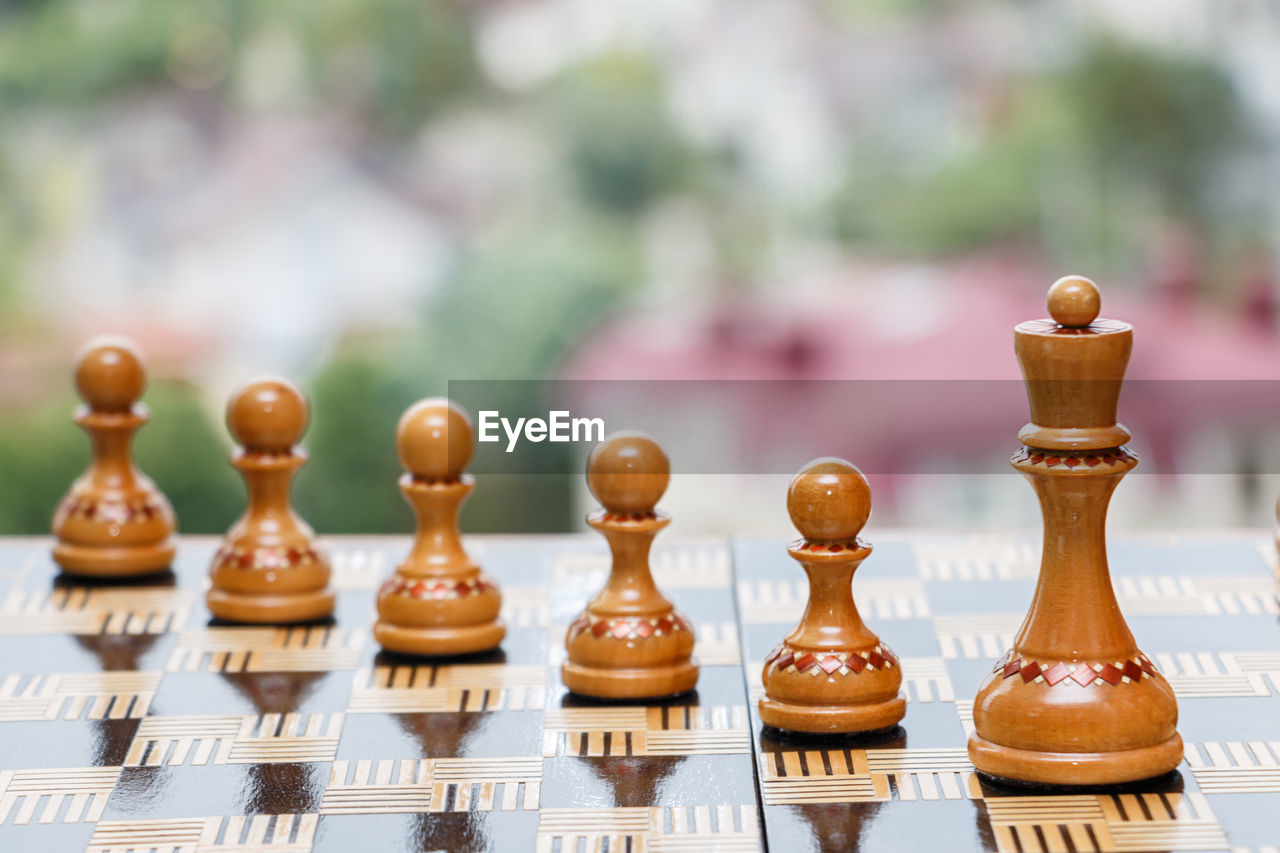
636,730
464,687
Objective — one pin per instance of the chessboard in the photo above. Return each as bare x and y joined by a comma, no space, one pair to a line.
131,722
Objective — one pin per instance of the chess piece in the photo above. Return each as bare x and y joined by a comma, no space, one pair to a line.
113,522
832,674
629,643
438,602
269,569
1074,702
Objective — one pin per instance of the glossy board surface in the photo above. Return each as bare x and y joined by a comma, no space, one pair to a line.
1205,609
129,722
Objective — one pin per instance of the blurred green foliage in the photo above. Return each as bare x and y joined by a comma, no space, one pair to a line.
1070,158
1159,120
622,148
509,311
395,61
186,453
1126,133
41,452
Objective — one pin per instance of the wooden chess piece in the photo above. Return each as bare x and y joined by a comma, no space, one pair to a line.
832,674
1074,702
269,569
629,643
438,602
113,522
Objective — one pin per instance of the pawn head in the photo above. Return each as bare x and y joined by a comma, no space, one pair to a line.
434,439
628,472
268,414
1074,301
829,501
110,374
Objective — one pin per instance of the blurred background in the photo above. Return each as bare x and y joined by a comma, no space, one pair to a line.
378,196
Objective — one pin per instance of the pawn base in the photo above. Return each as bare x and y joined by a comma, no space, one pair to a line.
445,640
1074,768
832,719
271,609
114,561
650,682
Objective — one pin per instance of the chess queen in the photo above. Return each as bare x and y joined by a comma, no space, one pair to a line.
1074,702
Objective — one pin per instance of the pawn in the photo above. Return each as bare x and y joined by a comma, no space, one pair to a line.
629,643
832,674
113,522
269,569
438,602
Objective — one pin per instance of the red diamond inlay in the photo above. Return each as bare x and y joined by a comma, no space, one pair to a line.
1148,667
856,663
786,660
1111,675
1132,670
1030,672
805,663
1052,460
1037,458
665,625
1011,667
463,589
835,549
643,629
773,655
599,629
1072,461
1056,673
1092,461
620,629
440,591
875,659
1083,675
830,664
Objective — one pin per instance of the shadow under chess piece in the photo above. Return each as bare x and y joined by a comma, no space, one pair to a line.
1074,702
269,569
438,602
113,522
629,643
832,674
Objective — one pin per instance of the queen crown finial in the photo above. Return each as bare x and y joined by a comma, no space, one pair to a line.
1073,368
1074,301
